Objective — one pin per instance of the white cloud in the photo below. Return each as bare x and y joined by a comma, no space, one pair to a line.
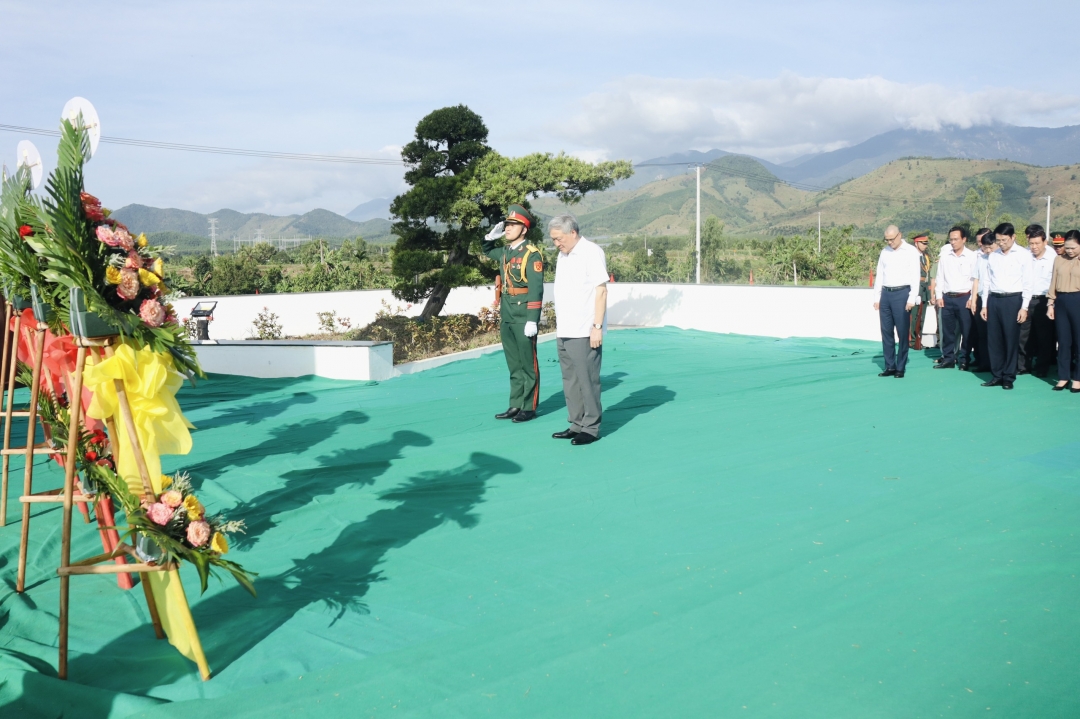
787,116
286,187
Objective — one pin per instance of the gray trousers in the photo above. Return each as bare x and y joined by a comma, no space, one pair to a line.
580,366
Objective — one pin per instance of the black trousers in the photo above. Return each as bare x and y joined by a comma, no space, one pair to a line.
1036,339
979,333
956,328
1067,324
1003,335
894,317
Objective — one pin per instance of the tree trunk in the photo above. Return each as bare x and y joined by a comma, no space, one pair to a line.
435,302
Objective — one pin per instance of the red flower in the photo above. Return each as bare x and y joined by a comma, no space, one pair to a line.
92,207
91,455
98,437
25,230
106,462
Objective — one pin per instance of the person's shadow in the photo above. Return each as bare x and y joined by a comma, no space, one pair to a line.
285,439
352,467
254,413
636,403
232,622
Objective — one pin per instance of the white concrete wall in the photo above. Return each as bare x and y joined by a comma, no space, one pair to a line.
842,312
296,312
345,360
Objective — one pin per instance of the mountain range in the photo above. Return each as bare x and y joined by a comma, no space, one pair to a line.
1044,146
888,178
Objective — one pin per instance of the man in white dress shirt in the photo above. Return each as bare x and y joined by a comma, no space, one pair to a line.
1037,335
956,274
985,244
580,321
1005,301
896,291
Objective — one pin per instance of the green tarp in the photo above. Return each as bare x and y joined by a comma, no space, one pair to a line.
765,529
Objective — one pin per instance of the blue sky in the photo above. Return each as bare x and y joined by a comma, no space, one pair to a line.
600,80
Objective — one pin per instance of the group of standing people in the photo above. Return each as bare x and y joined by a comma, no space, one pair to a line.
580,318
1016,308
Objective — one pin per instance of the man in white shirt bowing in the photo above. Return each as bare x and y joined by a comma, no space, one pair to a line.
956,274
1005,300
580,321
896,291
1037,336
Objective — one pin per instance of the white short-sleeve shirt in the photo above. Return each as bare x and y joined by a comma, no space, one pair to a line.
577,275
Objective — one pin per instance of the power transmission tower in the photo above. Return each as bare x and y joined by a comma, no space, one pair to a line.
213,236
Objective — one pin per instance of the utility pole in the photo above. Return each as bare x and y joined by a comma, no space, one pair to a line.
697,243
819,233
1048,217
213,236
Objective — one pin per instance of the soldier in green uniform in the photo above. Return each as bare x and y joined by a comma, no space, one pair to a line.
521,268
918,312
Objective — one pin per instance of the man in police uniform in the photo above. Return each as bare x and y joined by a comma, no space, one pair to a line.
521,269
918,312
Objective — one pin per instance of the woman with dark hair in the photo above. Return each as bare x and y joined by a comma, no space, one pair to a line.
1064,309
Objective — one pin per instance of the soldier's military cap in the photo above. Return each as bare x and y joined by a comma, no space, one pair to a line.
1058,239
921,238
517,213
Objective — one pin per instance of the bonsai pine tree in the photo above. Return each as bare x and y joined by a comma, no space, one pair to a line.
459,187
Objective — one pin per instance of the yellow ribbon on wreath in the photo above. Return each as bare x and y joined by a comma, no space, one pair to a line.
151,381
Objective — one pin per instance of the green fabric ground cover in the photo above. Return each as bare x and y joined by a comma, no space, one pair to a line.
765,524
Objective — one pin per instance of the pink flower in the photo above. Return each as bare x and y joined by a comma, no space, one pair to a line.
129,284
106,235
152,313
172,498
198,533
160,513
133,262
124,238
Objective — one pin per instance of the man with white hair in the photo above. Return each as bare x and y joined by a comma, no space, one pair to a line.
896,291
580,312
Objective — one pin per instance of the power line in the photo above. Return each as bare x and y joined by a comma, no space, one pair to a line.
209,149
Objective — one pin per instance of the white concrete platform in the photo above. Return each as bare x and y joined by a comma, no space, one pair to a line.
296,358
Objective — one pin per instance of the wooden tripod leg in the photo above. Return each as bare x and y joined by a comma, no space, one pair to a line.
28,472
144,475
72,457
11,360
74,410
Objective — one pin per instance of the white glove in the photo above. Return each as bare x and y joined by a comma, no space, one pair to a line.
496,232
530,329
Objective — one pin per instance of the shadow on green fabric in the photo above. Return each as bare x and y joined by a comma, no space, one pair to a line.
223,388
286,439
255,413
232,622
358,467
557,401
636,403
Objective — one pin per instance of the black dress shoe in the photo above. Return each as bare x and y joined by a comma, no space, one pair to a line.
945,365
992,383
887,373
1075,390
963,367
1059,387
899,375
583,438
524,415
565,434
1006,385
1022,371
508,414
